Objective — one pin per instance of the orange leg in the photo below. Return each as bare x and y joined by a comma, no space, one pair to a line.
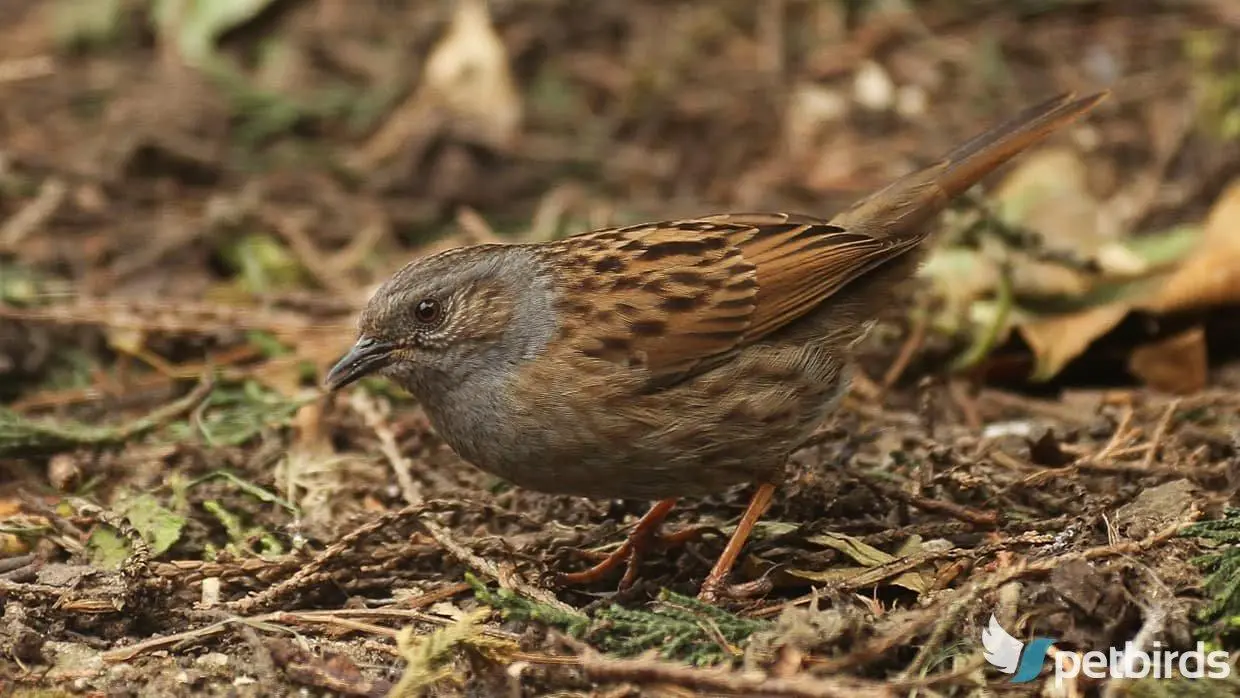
716,580
640,540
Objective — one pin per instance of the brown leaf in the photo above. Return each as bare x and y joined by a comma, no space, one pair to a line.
869,557
467,90
12,546
1079,583
1211,275
468,74
1048,191
1057,340
1156,508
1177,364
1046,450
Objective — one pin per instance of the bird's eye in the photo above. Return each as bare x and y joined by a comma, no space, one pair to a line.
427,311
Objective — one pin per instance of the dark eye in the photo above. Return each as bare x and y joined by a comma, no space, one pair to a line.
427,311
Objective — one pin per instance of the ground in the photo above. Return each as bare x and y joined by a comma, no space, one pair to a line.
197,198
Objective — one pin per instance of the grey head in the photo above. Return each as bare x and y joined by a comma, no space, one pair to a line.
463,318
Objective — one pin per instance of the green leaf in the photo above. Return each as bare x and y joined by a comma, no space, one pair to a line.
1166,247
159,527
678,627
80,22
107,548
263,263
267,343
233,415
195,25
240,535
1221,566
259,493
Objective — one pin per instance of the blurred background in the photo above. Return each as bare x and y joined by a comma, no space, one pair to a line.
213,188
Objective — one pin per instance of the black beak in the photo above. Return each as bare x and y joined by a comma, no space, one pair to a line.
367,356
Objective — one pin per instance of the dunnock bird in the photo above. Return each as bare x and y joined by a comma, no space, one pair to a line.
661,360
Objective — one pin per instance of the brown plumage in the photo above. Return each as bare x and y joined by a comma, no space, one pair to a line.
666,359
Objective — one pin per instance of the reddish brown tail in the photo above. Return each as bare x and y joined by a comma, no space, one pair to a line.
903,207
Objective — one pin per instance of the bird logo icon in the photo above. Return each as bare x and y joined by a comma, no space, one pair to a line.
1009,655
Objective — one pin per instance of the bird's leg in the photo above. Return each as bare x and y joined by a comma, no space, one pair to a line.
640,540
716,582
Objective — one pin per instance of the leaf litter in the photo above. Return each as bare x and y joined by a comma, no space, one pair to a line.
224,214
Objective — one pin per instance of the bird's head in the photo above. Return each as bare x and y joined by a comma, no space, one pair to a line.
445,316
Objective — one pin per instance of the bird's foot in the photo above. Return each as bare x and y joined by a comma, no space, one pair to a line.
716,585
713,590
645,536
625,553
643,540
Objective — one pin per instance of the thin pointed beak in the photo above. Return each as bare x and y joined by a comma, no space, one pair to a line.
367,356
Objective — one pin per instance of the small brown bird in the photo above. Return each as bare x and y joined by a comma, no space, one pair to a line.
667,359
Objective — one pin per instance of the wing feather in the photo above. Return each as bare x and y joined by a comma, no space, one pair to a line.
679,297
800,266
673,297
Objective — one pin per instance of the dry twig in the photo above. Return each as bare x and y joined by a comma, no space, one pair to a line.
316,570
505,575
735,683
376,420
937,506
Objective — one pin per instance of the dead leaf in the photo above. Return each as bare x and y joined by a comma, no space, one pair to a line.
1211,275
1047,450
11,544
869,557
1156,508
1175,365
961,277
1041,177
130,341
10,507
855,548
1079,583
72,661
1057,340
467,90
468,75
1106,299
1058,307
1048,191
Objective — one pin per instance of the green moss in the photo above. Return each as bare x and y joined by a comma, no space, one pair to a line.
1221,567
679,627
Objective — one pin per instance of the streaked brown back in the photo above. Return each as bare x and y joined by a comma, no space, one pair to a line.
678,297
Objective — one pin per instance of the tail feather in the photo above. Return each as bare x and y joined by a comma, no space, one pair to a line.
903,207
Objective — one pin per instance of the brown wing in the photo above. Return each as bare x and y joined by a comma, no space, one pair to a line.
670,297
800,262
679,297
